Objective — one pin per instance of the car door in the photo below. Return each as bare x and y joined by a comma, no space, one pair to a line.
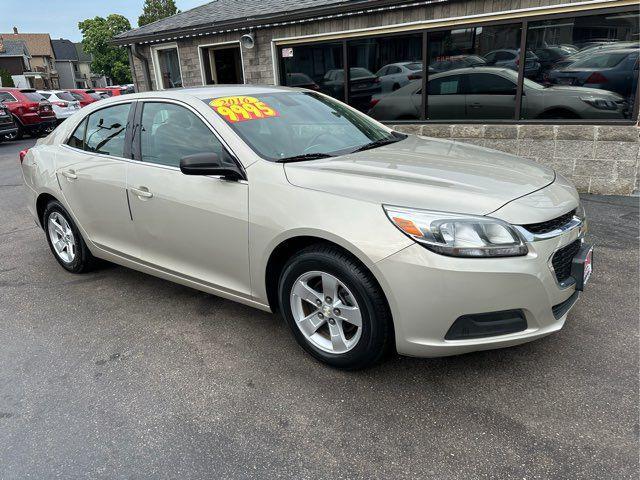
446,100
91,170
490,96
192,226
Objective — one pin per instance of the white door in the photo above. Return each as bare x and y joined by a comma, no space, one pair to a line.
195,226
92,175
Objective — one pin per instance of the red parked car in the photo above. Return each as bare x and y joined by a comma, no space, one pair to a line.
85,96
32,113
111,91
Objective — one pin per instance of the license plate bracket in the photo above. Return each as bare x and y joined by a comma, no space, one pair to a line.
582,266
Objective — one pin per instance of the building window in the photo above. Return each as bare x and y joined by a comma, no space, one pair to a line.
474,71
386,76
588,68
574,67
315,67
167,67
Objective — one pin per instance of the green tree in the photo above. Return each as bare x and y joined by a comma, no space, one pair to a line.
5,78
155,10
108,60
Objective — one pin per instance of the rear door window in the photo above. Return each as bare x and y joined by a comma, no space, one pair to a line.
77,138
106,130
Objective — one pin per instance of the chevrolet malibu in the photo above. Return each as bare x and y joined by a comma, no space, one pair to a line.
365,239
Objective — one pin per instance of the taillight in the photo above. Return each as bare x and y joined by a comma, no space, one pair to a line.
61,104
596,77
22,154
414,76
32,107
374,102
376,80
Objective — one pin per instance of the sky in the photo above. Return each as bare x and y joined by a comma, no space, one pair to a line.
60,18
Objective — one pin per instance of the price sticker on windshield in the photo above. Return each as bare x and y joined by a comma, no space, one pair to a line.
242,108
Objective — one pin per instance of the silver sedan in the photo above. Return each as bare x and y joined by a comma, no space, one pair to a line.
365,239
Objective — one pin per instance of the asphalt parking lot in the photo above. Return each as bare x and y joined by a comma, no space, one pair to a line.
116,374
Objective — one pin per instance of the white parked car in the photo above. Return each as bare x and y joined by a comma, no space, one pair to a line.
284,199
396,75
64,104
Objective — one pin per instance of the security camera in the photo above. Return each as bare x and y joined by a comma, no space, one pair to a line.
247,41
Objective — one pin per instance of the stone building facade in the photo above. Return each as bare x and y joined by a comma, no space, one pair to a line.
600,156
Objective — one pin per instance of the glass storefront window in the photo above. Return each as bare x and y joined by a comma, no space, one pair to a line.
588,67
317,67
386,76
473,72
583,67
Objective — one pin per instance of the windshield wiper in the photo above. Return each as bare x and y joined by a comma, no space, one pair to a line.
379,143
303,157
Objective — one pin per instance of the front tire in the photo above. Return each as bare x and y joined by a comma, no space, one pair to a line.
335,309
66,243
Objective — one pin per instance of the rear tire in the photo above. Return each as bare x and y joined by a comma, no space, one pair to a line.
344,321
66,243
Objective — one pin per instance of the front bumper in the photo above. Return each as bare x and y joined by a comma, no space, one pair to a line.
427,292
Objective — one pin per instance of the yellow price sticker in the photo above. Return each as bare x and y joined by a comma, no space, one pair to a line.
242,108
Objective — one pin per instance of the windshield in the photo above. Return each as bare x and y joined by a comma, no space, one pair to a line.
283,125
414,66
65,96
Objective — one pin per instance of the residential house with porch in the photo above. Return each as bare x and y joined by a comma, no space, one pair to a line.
42,73
14,59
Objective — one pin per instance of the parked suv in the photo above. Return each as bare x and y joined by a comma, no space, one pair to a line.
7,125
32,113
63,103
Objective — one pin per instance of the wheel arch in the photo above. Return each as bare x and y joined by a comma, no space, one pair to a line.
289,246
41,203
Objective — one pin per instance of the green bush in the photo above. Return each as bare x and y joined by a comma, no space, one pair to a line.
5,78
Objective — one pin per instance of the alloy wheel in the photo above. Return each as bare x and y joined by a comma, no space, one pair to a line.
326,312
62,239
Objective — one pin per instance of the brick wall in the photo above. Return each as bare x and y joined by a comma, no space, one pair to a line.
598,159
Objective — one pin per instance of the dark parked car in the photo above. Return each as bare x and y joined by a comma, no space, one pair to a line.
301,80
612,70
457,61
511,59
549,56
32,113
363,85
7,125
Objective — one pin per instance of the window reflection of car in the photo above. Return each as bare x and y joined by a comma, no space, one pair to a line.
301,80
614,70
457,61
550,55
396,75
362,85
590,50
486,93
509,58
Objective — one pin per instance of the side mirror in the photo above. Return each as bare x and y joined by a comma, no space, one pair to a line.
209,164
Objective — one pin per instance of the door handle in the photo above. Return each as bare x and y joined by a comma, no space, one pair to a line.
70,174
142,192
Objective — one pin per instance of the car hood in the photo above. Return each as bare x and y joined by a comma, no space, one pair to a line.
425,173
561,90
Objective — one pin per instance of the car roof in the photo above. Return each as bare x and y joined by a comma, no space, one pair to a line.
459,71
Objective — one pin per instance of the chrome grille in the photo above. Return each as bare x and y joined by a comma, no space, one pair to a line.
550,225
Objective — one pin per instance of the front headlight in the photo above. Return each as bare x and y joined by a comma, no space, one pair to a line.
458,235
600,103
